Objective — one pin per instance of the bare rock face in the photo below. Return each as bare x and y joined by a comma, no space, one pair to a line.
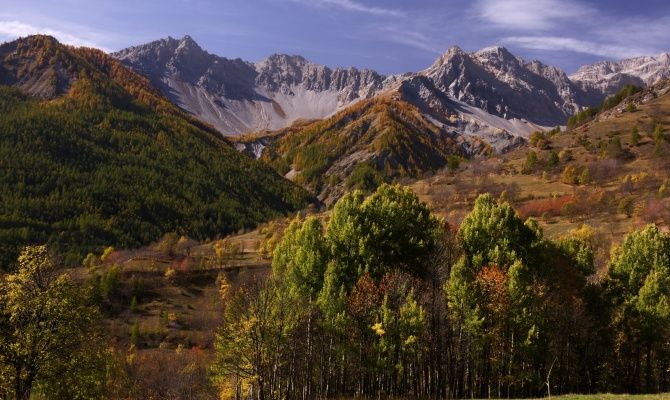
496,81
490,94
236,96
608,77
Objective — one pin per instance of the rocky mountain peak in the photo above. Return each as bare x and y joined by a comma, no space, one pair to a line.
498,60
284,60
609,76
453,55
499,52
189,46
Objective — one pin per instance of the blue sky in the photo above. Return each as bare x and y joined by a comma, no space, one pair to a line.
391,36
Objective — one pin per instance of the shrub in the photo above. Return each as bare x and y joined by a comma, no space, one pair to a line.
664,188
539,140
453,163
365,177
626,185
531,162
105,254
171,274
658,135
553,159
584,177
541,207
635,137
565,155
626,206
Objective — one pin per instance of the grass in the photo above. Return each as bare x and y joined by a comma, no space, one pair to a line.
609,396
596,203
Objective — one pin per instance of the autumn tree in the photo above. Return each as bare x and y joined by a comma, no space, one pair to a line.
49,342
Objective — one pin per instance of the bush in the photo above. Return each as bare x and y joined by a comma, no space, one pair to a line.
550,207
171,275
565,155
635,137
664,188
531,162
105,254
453,163
658,135
584,177
626,206
553,159
365,177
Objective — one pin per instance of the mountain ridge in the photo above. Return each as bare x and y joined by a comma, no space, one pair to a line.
93,156
517,96
610,76
238,96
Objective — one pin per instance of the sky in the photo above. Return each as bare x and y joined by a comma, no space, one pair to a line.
390,36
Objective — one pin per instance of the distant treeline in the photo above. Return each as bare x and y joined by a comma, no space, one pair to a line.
99,168
387,300
588,113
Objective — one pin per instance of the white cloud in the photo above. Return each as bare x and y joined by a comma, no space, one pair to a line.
558,43
10,30
530,14
574,26
407,37
351,5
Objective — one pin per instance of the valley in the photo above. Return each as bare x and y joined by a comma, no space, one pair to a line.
488,227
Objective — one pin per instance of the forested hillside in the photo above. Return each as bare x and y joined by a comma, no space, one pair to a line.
364,145
91,156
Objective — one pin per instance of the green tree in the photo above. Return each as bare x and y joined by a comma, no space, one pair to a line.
453,163
635,137
299,261
390,229
658,134
639,275
48,333
365,177
531,162
553,159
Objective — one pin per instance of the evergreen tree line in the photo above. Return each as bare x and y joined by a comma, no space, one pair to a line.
97,168
386,300
587,114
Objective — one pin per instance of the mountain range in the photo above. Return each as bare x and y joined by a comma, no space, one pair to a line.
122,148
490,93
91,155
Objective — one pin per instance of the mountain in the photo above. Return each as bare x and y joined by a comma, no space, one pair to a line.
295,113
492,90
496,81
92,155
374,140
608,77
236,96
